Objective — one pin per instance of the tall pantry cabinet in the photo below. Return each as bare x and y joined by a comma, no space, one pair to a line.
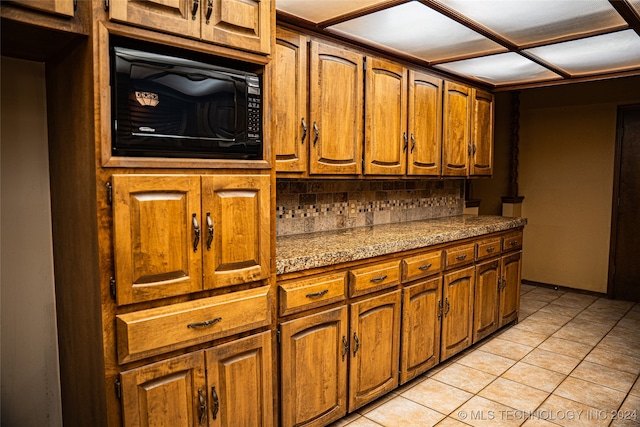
163,267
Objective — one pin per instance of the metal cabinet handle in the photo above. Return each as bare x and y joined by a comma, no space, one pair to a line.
317,294
413,142
195,9
216,403
378,279
474,149
439,309
461,257
304,130
513,242
504,282
209,231
424,267
316,131
345,347
448,307
357,343
499,284
204,324
491,249
196,233
202,407
209,10
406,141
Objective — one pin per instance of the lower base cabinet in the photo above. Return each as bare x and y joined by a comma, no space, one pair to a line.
486,299
420,327
227,385
511,267
457,312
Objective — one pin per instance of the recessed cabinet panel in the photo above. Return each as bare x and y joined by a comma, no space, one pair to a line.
510,289
239,379
156,221
336,99
236,218
165,393
425,124
386,138
290,112
456,129
243,24
170,16
482,136
485,313
457,316
315,352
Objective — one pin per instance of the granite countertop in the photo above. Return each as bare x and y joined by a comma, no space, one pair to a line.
305,251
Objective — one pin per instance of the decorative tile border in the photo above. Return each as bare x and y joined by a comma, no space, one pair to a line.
304,206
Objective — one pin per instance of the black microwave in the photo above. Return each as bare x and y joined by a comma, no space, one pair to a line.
166,106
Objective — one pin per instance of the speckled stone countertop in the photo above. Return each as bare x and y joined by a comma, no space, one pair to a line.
305,251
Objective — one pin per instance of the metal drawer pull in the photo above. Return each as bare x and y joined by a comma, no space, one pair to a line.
424,267
378,279
196,233
491,249
317,294
216,403
204,324
461,257
357,346
202,407
345,347
513,242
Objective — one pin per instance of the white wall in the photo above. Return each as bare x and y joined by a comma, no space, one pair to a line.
30,378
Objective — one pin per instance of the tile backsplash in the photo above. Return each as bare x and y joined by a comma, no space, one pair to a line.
306,206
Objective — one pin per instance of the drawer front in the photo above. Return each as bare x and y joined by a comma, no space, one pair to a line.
512,241
374,277
422,265
488,248
304,294
459,255
155,331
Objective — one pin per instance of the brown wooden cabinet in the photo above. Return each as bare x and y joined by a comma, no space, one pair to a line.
481,163
457,316
386,137
511,267
314,356
375,345
336,110
456,129
421,323
425,124
58,7
229,385
291,112
241,24
178,234
486,299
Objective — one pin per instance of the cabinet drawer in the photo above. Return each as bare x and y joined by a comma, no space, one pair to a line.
422,265
459,255
374,277
512,241
303,294
154,331
488,248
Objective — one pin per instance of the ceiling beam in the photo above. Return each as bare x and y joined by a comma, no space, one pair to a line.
628,13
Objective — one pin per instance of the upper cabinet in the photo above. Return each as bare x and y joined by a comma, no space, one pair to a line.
291,112
58,7
386,138
482,134
456,133
425,124
179,234
336,108
241,24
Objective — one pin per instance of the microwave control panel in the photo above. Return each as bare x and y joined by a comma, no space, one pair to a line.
254,100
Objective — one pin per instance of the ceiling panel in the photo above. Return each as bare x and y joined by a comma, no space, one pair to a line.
503,44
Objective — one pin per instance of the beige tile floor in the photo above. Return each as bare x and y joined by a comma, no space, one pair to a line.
572,360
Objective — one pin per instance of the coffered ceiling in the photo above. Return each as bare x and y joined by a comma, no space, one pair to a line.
501,44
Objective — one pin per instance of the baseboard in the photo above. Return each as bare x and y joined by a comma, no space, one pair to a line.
563,288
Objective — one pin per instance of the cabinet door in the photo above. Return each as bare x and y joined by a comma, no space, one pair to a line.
169,393
456,143
482,134
59,7
243,24
386,139
156,221
375,347
336,101
236,229
510,288
291,129
420,328
239,381
180,17
457,318
314,357
425,124
485,312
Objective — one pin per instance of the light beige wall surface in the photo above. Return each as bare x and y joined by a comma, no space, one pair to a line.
567,142
29,368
